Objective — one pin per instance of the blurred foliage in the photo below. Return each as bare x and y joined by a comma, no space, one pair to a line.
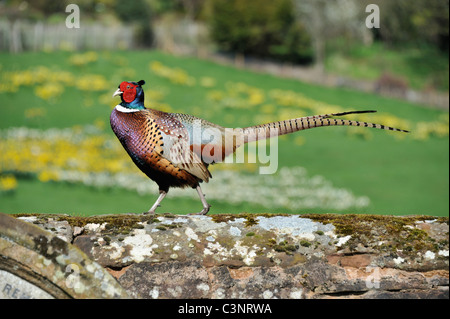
265,28
420,21
411,44
280,29
47,7
138,12
132,11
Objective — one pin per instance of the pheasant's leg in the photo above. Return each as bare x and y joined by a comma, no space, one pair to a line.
162,194
206,206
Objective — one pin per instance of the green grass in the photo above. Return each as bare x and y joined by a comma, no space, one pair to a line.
421,68
400,176
62,198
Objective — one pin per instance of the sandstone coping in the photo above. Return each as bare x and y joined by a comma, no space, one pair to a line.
263,255
38,264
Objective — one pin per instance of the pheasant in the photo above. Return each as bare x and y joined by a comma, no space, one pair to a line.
168,148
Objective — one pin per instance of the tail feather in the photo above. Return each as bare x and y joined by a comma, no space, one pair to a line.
346,113
254,133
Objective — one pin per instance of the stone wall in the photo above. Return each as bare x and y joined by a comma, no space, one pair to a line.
262,256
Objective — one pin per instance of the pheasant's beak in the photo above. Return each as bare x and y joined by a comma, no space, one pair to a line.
118,92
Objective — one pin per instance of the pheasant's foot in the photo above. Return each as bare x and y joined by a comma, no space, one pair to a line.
204,211
206,206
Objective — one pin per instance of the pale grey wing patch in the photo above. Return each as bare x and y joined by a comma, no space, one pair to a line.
200,131
178,151
207,140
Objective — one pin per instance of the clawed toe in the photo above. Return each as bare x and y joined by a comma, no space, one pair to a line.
204,211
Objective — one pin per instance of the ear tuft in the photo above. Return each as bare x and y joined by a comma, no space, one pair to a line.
141,82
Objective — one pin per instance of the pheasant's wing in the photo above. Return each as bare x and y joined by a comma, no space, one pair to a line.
176,146
209,141
178,151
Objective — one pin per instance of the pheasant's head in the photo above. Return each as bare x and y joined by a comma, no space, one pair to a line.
132,94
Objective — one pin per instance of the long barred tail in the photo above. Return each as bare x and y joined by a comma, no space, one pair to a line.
254,133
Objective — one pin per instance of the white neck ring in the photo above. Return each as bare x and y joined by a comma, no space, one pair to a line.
123,109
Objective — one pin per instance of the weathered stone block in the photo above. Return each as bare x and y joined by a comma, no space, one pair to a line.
264,256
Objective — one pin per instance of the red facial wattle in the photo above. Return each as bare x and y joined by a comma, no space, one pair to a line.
129,91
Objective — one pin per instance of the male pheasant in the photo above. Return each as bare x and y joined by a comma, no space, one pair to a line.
170,149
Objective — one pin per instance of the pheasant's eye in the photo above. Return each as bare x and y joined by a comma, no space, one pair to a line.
128,87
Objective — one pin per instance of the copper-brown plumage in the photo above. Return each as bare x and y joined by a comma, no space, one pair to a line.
164,145
141,135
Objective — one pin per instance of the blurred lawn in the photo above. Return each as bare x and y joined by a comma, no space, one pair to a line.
420,68
400,175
